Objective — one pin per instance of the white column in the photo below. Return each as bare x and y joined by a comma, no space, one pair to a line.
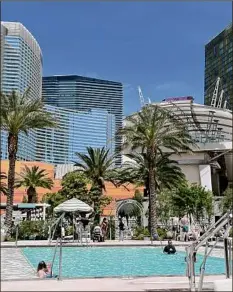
205,176
228,160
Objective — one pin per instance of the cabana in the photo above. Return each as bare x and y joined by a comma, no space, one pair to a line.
73,206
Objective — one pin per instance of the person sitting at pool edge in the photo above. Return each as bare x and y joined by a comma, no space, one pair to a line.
43,271
169,248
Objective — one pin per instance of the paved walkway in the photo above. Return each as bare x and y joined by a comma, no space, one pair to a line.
24,243
107,284
14,265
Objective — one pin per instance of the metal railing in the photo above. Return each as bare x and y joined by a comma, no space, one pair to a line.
192,249
54,256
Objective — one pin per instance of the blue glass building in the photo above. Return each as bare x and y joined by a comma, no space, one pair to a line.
76,130
21,60
86,94
21,68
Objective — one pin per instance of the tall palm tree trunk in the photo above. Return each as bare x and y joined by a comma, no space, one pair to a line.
97,193
152,193
147,190
12,150
31,193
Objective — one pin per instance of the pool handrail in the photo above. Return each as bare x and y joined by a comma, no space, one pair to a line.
54,255
214,228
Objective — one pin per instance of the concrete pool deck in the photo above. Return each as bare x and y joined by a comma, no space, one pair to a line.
45,243
109,284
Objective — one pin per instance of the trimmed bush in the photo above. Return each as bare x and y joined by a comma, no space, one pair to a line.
29,230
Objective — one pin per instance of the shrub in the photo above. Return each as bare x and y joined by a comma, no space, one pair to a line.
33,230
162,233
140,237
140,233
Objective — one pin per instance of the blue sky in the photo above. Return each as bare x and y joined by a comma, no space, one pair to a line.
157,45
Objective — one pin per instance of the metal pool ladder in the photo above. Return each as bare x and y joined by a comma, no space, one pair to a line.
58,243
192,249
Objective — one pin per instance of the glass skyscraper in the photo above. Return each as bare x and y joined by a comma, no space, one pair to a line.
21,68
88,111
219,63
85,94
21,60
76,130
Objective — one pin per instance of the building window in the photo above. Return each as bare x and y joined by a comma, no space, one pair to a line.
215,51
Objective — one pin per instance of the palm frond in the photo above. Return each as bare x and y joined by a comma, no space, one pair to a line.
95,164
34,177
19,113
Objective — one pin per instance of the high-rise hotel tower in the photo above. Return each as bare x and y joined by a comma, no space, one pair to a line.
21,60
21,68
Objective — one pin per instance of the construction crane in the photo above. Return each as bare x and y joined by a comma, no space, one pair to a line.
220,99
215,94
142,100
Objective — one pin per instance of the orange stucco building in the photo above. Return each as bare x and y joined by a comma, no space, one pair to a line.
116,193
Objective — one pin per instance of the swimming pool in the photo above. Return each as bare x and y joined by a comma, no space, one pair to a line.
84,262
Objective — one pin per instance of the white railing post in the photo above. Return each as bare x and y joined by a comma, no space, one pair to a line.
60,261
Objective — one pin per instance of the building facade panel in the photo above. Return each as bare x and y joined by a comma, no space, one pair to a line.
219,63
76,130
85,94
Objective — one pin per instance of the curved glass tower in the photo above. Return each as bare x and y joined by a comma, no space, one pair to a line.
21,60
21,68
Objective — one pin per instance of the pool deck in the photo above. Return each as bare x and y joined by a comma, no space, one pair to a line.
108,284
45,243
18,275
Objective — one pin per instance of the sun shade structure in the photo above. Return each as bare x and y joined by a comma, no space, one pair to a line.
73,205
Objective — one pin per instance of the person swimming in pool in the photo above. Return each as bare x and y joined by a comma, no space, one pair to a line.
169,248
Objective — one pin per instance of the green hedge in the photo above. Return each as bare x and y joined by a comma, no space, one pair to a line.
140,233
33,230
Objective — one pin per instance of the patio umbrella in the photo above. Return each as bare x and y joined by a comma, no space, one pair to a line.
73,205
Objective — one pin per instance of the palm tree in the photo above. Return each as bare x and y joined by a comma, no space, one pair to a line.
151,130
3,186
168,174
32,178
96,165
19,114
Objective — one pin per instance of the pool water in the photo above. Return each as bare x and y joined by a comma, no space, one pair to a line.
84,262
